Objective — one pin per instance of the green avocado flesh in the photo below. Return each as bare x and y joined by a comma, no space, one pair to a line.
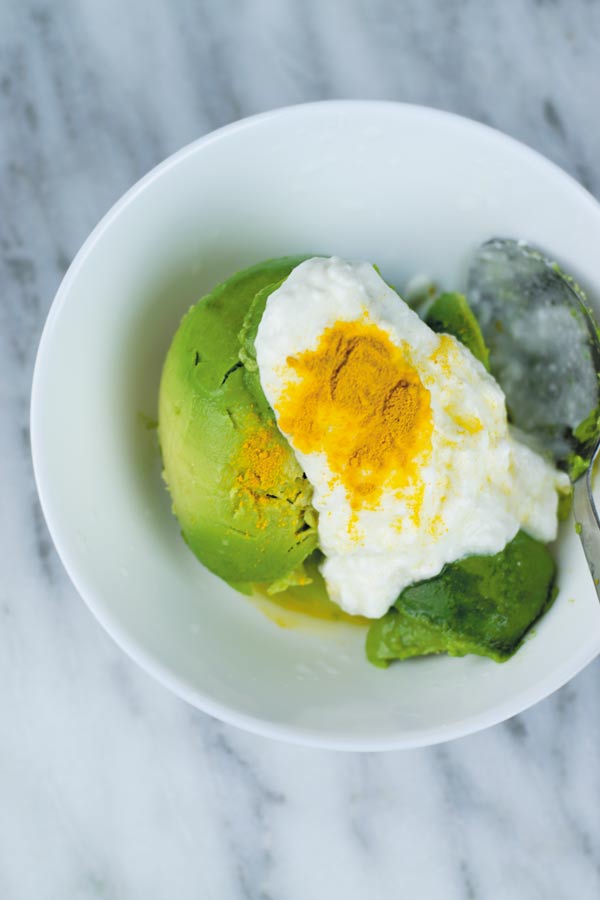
450,313
480,604
211,405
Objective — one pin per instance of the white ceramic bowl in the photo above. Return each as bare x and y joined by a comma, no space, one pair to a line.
412,189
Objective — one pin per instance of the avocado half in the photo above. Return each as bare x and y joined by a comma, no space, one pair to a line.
244,521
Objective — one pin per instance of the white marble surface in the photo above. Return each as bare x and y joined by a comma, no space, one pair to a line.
110,787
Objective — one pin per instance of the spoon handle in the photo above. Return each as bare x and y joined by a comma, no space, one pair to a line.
586,516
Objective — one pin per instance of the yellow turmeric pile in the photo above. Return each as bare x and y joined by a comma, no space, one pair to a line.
361,403
263,459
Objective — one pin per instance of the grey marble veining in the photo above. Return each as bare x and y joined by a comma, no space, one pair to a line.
109,786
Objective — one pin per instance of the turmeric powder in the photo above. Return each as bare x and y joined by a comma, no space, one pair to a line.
262,461
358,400
267,471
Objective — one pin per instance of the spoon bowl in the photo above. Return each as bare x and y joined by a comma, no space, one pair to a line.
545,353
544,348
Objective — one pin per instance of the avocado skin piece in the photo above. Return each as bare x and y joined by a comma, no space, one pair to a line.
451,314
209,406
480,604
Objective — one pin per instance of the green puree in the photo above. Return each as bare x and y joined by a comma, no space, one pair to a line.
211,403
480,604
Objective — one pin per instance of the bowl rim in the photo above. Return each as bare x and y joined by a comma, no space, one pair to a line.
297,734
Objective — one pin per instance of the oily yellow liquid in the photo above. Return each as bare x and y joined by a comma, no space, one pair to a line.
287,608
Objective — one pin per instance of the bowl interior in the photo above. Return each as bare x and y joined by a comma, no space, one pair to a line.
413,190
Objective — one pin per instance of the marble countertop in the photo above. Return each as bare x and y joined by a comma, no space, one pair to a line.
109,786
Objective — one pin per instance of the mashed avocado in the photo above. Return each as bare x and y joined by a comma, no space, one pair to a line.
480,604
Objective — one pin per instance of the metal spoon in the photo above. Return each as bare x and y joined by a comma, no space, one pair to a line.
545,353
